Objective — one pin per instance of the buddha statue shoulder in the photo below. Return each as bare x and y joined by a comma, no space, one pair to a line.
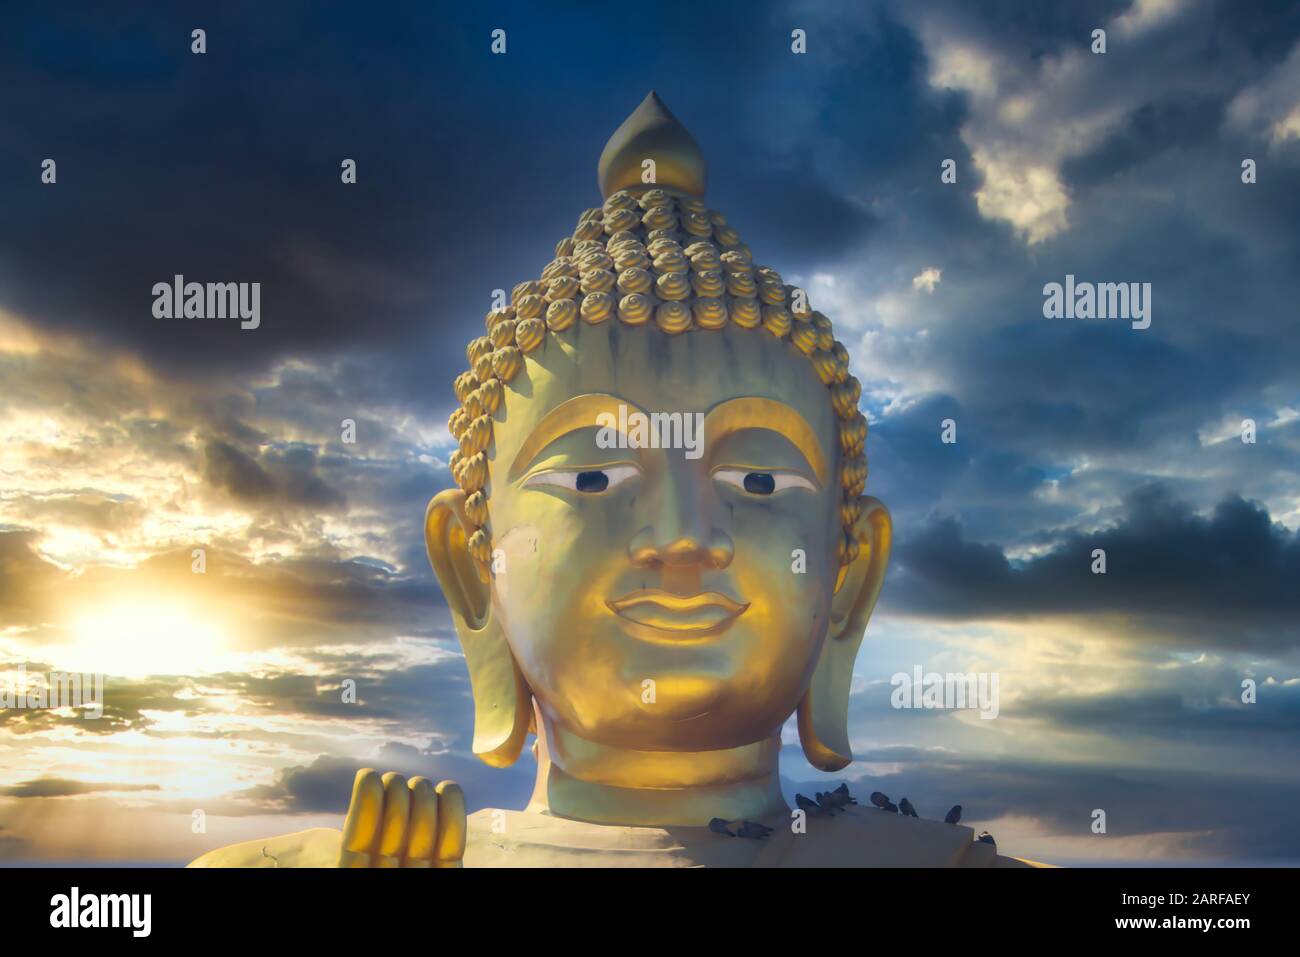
658,549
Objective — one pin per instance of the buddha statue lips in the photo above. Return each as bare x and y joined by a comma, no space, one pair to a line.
657,615
654,617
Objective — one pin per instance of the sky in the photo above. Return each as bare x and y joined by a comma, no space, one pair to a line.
126,441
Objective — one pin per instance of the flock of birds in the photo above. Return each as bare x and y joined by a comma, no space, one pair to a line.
826,804
746,829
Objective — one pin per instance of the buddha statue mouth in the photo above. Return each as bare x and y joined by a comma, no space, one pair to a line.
656,615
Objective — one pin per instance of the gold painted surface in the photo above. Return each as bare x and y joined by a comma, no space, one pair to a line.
651,132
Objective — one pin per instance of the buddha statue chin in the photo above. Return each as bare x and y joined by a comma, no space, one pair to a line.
652,612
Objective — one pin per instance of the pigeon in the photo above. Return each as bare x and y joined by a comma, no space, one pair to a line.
836,800
882,801
906,807
750,829
831,801
810,806
719,826
987,838
954,815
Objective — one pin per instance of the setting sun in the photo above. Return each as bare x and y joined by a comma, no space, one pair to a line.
143,636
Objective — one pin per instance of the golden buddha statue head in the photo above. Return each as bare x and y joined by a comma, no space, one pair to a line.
651,600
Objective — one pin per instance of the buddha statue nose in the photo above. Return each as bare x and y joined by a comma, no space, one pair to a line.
683,537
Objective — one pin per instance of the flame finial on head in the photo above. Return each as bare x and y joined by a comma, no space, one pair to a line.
651,132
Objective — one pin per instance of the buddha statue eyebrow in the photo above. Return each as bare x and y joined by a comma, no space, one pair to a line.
579,412
754,412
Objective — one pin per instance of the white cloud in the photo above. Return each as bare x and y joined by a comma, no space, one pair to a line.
927,279
1145,15
1271,108
1029,116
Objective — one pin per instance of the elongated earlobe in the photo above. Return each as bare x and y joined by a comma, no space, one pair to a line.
502,700
824,710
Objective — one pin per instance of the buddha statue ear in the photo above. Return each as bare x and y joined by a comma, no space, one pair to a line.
824,710
502,700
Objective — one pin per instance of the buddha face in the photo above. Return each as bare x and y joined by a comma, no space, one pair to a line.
654,598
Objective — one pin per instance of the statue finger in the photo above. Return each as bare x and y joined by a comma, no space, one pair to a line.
397,814
422,833
361,827
450,845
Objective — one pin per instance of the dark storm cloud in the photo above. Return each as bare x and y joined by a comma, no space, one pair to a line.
226,166
1229,577
343,597
298,694
211,167
1171,123
1164,715
287,477
434,698
426,699
328,589
992,475
227,467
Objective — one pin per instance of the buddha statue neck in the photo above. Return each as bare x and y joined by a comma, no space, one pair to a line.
607,785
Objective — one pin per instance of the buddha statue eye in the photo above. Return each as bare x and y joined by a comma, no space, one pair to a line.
586,481
591,481
762,483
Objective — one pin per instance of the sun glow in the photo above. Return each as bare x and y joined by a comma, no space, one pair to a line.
146,636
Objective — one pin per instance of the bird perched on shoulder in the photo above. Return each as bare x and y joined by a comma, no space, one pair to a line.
839,798
986,838
753,830
906,807
882,801
719,826
954,815
810,806
830,800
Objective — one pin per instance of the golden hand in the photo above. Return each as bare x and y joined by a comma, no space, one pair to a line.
393,823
